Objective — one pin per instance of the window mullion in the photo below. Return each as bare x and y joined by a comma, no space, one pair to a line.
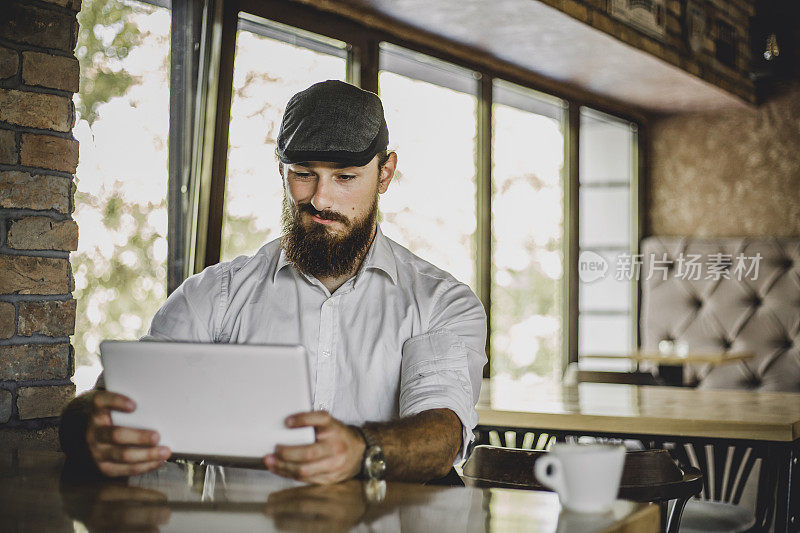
205,109
637,208
221,129
483,176
185,32
369,58
571,236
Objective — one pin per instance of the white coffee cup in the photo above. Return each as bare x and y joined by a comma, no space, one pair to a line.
585,476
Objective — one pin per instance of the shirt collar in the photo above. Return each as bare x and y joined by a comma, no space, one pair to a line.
379,257
282,262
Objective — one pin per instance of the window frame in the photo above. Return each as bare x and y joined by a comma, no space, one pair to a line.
203,219
635,229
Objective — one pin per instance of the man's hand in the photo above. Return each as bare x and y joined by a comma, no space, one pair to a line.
334,457
120,451
317,508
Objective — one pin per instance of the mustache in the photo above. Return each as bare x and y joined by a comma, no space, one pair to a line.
327,214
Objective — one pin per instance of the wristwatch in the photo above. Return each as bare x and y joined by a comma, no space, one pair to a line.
373,465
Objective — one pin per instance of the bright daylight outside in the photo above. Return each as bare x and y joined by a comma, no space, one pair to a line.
120,202
605,319
527,215
430,206
261,89
122,126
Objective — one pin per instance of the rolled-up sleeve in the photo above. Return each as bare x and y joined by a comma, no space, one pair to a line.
443,367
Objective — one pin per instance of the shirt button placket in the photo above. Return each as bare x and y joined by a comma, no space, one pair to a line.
325,367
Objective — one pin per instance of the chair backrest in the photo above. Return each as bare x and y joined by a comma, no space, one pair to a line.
507,467
648,475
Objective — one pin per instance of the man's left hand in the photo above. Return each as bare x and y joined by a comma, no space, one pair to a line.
334,457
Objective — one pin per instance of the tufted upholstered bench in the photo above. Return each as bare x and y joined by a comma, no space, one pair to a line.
728,307
743,297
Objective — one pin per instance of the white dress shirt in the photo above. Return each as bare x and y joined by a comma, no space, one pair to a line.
398,338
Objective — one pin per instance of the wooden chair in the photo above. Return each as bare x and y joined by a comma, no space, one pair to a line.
727,472
648,476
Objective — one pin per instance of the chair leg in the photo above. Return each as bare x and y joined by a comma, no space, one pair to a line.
674,522
664,511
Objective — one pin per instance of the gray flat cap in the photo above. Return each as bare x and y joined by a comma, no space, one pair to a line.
333,121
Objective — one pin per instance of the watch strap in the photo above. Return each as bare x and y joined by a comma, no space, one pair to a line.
369,437
370,443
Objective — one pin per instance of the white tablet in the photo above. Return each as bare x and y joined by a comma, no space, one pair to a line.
215,401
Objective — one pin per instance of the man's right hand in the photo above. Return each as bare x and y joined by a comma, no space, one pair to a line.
120,451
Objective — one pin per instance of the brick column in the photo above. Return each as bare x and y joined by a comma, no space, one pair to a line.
38,157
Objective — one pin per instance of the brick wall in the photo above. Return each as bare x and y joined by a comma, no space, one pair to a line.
38,157
719,16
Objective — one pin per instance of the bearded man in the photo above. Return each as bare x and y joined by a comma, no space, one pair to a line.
395,346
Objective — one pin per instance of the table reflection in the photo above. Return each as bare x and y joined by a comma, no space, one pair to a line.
40,493
190,497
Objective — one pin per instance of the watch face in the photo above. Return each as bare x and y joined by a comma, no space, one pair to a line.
374,462
375,490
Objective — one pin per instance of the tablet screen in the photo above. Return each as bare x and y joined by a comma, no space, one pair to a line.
226,401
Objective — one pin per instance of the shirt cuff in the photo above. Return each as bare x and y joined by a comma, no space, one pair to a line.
435,375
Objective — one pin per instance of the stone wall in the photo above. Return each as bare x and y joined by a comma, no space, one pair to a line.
732,173
704,58
727,174
38,158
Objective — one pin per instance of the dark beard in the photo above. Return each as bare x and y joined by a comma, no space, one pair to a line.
315,251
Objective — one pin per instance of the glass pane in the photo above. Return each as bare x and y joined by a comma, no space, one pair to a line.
610,291
120,203
430,206
604,334
527,262
605,217
605,148
267,72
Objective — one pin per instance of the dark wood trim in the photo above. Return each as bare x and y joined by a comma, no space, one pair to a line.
186,26
307,18
571,231
221,127
483,208
203,135
638,186
645,169
369,64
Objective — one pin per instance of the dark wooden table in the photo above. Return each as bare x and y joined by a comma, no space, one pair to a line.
38,493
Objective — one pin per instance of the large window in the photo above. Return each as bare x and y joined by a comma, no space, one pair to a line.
527,231
607,236
120,203
272,63
430,109
506,188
